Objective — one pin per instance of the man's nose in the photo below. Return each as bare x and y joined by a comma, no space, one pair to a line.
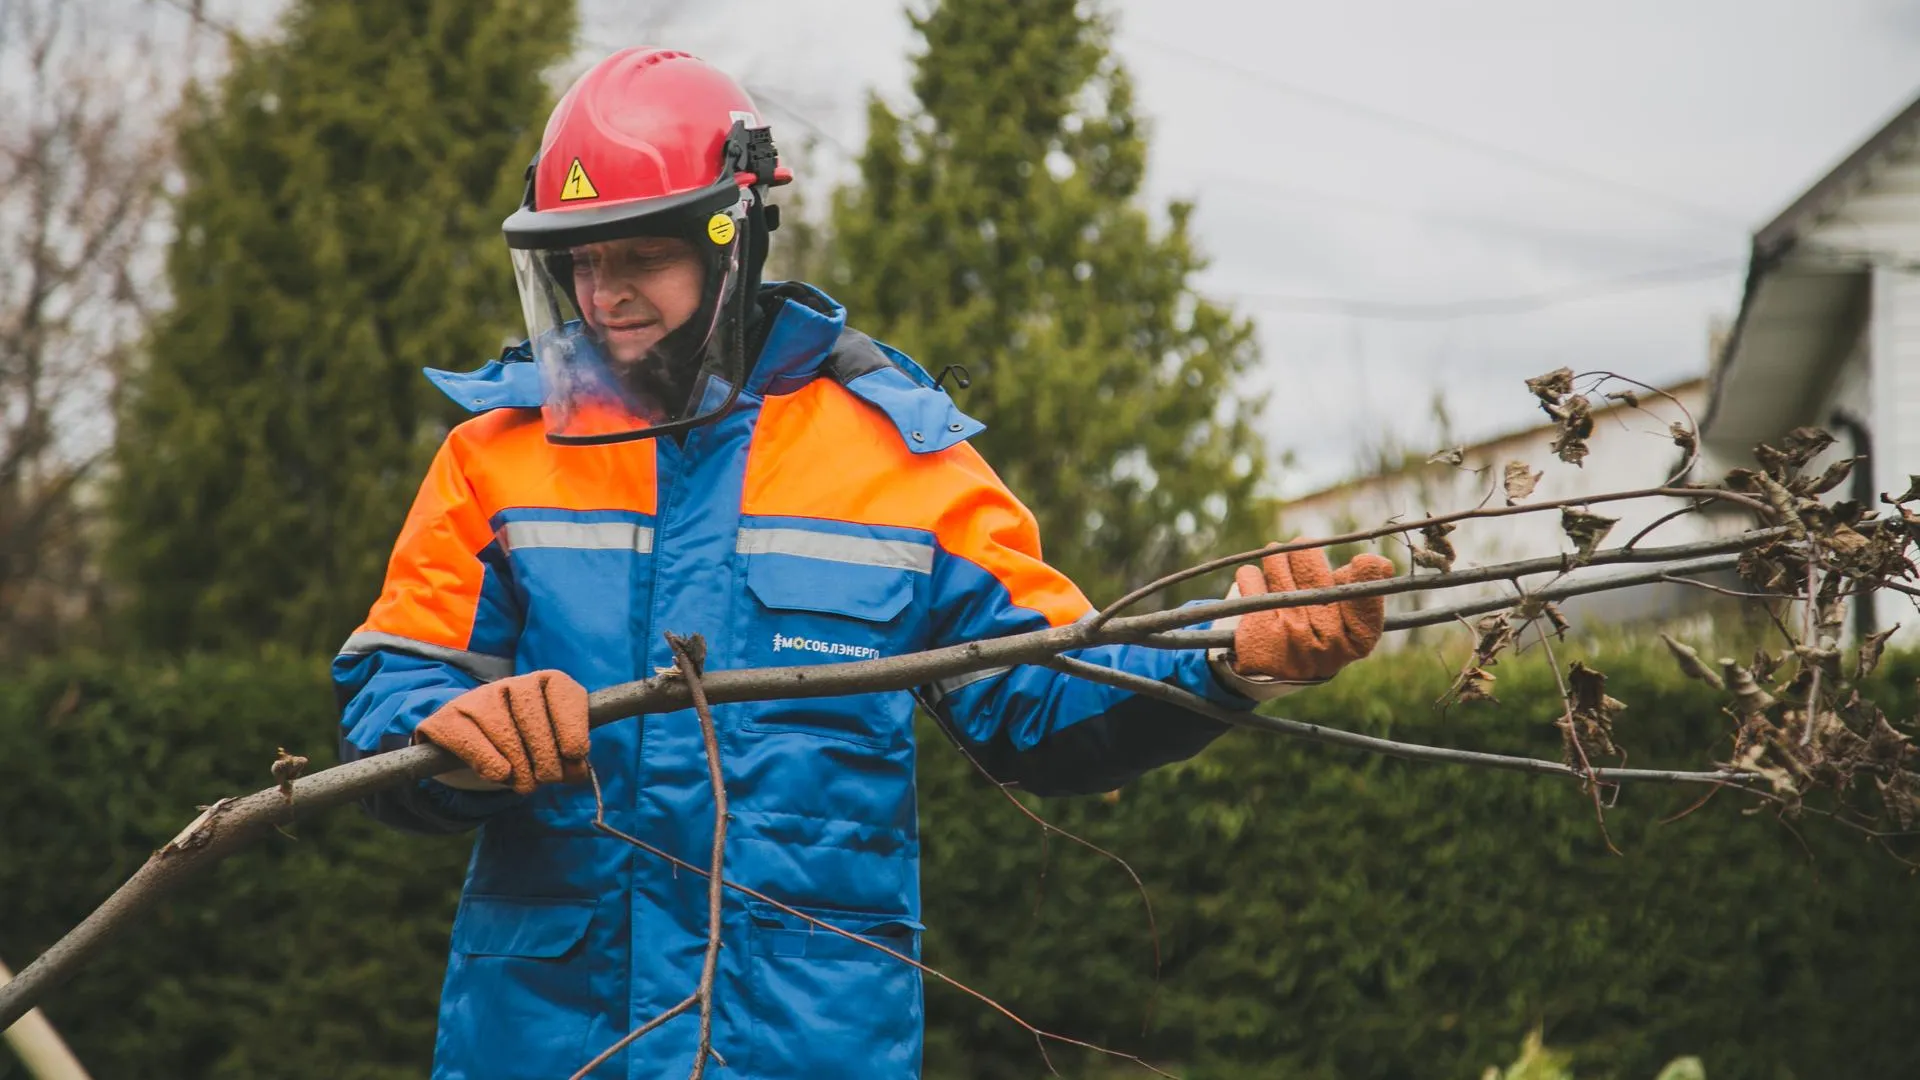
612,290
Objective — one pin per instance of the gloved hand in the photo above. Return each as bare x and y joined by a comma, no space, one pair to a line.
520,732
1307,644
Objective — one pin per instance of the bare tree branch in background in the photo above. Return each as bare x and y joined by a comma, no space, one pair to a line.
84,146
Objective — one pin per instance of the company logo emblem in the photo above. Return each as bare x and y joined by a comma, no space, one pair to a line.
825,648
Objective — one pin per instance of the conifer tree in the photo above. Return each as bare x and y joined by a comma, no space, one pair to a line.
997,226
339,229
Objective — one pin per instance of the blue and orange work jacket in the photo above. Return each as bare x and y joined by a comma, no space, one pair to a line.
837,513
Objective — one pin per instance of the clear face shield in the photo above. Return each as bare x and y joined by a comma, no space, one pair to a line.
638,335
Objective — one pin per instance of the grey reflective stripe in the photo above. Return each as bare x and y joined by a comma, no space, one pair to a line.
483,666
947,687
860,550
584,535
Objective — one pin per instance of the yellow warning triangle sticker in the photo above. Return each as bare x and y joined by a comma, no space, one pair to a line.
577,185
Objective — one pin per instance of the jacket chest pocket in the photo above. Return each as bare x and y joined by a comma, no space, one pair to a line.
825,598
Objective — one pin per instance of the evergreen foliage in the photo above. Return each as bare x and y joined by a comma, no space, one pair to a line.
339,230
997,227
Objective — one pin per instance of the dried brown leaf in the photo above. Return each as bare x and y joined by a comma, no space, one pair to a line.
1826,481
1588,688
1782,502
1475,684
1494,636
1438,553
1520,481
1871,648
1691,665
1452,455
1626,397
1585,529
1575,418
1806,443
1907,496
1747,693
1552,386
1560,624
1846,542
286,769
1684,436
1590,708
1901,796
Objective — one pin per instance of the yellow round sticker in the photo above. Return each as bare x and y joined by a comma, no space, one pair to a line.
720,229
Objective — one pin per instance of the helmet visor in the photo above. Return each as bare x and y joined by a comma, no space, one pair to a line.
632,334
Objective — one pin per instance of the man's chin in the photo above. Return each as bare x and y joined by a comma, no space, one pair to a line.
629,346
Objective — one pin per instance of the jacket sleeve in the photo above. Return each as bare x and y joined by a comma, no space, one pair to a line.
446,621
1047,731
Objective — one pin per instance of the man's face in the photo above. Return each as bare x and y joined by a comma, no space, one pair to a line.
635,292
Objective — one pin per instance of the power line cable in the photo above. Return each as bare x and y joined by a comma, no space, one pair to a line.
1421,128
777,100
1464,223
1492,305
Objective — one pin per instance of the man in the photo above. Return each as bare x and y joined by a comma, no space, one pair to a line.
678,448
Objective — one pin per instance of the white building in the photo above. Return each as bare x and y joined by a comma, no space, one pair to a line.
1829,329
1828,335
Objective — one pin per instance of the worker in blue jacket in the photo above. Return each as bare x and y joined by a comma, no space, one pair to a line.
678,447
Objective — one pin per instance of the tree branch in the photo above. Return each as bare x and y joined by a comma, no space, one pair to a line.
1483,511
1173,695
232,824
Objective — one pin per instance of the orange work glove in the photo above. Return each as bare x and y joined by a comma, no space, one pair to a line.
1307,644
521,732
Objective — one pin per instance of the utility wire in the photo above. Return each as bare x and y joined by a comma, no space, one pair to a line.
1492,305
1435,133
1487,227
777,101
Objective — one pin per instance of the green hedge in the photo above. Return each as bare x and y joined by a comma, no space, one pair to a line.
317,956
1321,913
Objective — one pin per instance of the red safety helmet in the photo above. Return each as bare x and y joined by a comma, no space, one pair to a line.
638,245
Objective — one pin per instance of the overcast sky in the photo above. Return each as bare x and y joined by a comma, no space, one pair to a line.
1601,166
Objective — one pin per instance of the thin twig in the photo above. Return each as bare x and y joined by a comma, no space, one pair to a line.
1207,639
688,667
1693,453
692,669
1171,694
1128,628
1724,591
1585,770
923,969
1811,708
1698,803
1112,610
1153,926
1690,508
632,1036
1897,586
